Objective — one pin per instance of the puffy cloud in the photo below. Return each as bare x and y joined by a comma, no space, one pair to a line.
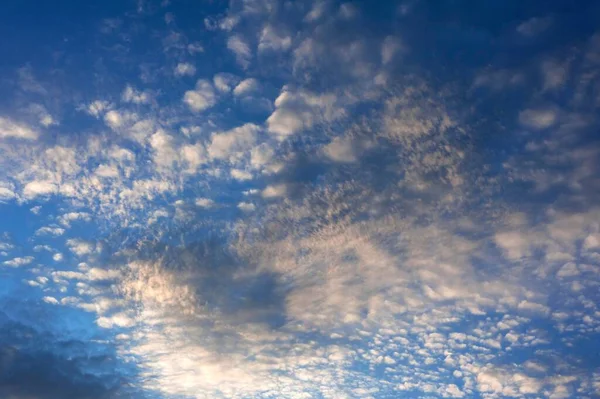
14,130
195,48
246,206
80,247
68,218
299,110
273,40
98,107
204,202
340,150
50,231
50,300
201,98
6,194
18,262
245,87
226,144
194,156
116,320
39,188
240,48
42,114
241,175
538,118
185,69
224,82
132,95
274,191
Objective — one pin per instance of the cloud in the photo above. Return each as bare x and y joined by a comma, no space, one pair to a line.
540,118
240,48
241,175
13,130
195,48
132,95
389,48
28,82
534,26
116,320
274,191
554,73
50,231
246,206
185,69
80,247
201,98
68,218
44,118
224,82
296,111
6,194
246,87
204,202
272,40
39,188
229,143
50,300
98,107
340,150
18,262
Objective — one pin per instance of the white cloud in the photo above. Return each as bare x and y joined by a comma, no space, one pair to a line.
11,129
341,149
201,98
204,202
44,118
18,262
272,40
274,191
195,48
299,110
246,206
246,86
39,188
80,247
241,175
538,119
71,217
117,320
98,107
240,48
165,153
224,82
6,194
50,231
57,257
194,156
97,274
132,95
185,69
261,155
119,119
50,300
226,144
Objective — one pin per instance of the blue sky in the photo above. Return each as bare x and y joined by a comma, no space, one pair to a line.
299,199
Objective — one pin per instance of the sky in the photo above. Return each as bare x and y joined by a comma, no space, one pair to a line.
258,199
